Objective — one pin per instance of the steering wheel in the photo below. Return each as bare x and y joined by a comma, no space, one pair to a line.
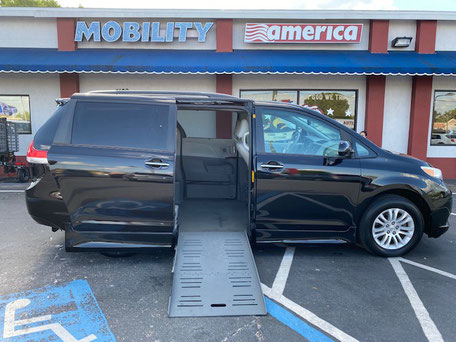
295,139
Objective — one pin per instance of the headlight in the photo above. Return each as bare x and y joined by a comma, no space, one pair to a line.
432,171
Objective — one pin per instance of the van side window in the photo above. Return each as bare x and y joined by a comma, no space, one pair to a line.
297,133
124,125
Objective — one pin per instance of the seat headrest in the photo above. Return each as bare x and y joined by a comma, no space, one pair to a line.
242,127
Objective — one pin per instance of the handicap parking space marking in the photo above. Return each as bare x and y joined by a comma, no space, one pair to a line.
295,323
288,311
68,311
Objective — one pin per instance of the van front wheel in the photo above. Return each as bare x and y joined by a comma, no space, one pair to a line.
391,226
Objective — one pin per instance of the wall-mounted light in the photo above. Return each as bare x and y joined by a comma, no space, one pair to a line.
401,42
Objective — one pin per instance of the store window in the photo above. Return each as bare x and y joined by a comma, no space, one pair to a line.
16,108
337,104
444,118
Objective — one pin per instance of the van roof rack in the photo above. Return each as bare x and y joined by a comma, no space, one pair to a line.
62,101
175,94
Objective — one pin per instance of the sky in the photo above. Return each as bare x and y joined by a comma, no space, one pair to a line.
428,5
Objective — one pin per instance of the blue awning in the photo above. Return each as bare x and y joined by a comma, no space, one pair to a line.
237,62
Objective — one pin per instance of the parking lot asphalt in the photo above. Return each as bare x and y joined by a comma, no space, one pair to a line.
341,291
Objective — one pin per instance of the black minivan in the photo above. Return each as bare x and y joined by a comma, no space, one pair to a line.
127,170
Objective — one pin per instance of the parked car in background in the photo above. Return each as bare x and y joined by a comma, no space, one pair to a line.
443,139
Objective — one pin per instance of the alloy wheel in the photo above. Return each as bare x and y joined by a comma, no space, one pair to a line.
393,228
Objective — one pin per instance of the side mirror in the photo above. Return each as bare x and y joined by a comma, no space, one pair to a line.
345,149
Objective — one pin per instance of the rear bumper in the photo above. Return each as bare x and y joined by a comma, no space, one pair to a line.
42,204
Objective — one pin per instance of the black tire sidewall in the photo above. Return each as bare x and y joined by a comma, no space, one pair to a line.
21,176
381,204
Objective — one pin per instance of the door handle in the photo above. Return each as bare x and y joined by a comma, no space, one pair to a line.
272,166
157,163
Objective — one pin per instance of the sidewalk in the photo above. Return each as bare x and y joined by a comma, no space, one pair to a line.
451,183
11,184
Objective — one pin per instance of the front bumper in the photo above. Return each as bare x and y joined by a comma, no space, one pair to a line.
439,223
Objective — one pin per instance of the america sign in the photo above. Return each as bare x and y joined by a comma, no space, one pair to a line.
302,33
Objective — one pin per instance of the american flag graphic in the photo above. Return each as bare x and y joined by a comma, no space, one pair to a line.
256,33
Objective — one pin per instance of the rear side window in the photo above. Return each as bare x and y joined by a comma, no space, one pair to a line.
126,125
45,136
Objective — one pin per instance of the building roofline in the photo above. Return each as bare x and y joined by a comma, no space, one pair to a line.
224,14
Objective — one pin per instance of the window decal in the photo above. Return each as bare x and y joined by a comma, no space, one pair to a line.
16,108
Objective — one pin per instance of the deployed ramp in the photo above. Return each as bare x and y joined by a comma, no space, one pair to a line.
215,275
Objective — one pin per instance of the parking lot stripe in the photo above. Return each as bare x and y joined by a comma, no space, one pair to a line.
12,190
295,323
282,274
428,268
427,324
308,316
453,213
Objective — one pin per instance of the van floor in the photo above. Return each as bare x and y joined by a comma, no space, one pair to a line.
196,215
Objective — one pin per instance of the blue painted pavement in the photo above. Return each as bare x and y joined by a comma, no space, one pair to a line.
67,312
295,323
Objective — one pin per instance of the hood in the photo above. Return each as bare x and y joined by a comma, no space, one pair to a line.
407,158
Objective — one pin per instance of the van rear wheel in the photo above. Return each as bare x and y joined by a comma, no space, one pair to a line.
391,226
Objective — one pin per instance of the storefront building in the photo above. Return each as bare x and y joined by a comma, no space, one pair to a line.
390,73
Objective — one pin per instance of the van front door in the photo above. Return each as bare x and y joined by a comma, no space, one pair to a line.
115,171
303,190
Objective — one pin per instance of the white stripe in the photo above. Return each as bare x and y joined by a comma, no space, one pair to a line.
429,268
12,190
309,316
453,214
225,72
282,274
426,322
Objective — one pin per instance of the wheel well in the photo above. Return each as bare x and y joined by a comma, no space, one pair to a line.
411,196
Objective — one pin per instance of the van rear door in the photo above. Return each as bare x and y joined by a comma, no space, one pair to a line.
113,161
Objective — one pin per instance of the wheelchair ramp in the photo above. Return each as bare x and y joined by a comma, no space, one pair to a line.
215,275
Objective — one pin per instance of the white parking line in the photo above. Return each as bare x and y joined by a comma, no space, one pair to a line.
282,274
428,268
453,214
309,316
427,324
276,293
12,190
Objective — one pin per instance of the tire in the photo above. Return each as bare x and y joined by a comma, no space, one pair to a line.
391,239
22,175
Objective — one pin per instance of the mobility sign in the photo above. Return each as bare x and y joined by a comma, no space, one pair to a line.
302,33
132,32
68,313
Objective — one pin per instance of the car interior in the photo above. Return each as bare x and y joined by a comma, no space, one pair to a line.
211,173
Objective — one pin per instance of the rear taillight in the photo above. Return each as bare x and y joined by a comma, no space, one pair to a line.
35,156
